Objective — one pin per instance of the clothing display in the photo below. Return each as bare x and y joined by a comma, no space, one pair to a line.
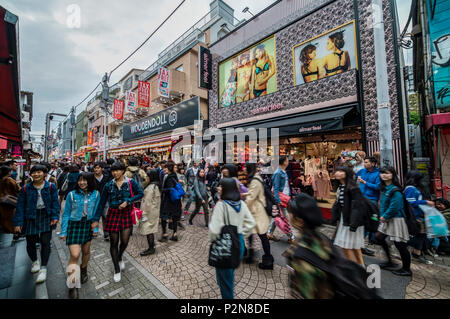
321,184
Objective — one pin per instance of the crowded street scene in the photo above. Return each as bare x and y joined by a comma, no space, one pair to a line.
273,150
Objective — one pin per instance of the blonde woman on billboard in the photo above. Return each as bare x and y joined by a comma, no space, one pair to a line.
228,97
338,61
263,70
311,67
244,78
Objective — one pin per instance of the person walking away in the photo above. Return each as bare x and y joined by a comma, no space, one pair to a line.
413,193
60,181
393,224
236,212
118,194
349,209
100,180
77,228
232,172
191,174
8,188
72,177
307,281
37,214
201,197
136,173
151,204
107,168
170,210
181,174
280,183
162,171
256,203
369,184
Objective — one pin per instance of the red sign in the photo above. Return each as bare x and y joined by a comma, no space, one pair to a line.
90,136
144,94
16,150
118,109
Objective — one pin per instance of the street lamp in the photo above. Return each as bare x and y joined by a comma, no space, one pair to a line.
246,9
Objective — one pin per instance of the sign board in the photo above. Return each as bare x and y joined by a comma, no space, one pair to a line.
180,115
16,150
130,102
163,82
205,68
90,137
144,94
118,109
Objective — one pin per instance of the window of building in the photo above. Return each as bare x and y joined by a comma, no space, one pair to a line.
180,68
127,84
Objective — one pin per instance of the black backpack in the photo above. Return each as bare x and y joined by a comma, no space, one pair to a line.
270,199
137,177
411,221
349,280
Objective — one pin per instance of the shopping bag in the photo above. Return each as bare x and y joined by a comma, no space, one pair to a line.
282,223
136,213
435,222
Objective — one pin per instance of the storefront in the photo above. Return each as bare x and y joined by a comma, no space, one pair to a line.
152,137
308,69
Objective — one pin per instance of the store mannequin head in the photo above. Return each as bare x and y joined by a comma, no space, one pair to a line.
283,162
370,163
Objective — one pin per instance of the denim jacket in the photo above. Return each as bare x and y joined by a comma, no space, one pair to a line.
115,196
73,210
278,181
27,201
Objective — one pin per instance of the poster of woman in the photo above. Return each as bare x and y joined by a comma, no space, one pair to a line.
328,54
249,74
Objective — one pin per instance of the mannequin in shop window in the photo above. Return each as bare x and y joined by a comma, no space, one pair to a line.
321,184
309,165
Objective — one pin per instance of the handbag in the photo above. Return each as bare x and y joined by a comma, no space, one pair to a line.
9,200
225,251
136,213
177,192
284,199
435,222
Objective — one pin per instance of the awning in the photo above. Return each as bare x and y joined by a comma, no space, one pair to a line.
164,145
309,122
10,113
440,119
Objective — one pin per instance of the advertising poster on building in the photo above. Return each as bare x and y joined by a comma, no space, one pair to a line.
130,102
163,82
249,74
205,66
144,94
438,17
118,109
326,55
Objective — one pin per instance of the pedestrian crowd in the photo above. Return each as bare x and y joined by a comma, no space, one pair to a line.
239,204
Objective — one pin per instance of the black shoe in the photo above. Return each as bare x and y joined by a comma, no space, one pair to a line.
73,293
267,263
367,252
147,252
190,222
388,266
84,275
163,239
174,238
402,272
250,259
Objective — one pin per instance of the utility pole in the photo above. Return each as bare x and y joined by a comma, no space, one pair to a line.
48,119
384,110
72,126
105,98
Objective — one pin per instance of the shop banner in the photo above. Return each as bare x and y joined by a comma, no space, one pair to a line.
118,109
163,82
328,54
205,65
144,94
16,150
130,102
90,137
438,17
180,115
249,74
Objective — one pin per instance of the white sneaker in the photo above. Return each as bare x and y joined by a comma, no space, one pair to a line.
42,276
117,277
35,267
122,265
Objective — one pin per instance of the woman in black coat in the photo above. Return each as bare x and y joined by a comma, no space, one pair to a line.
170,211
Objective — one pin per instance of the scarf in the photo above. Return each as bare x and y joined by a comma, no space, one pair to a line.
236,205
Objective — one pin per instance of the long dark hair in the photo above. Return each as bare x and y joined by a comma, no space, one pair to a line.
395,179
304,58
229,190
415,178
89,177
338,39
154,178
251,170
201,179
232,169
350,176
4,171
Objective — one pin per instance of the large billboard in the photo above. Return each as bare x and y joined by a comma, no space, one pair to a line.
249,74
330,53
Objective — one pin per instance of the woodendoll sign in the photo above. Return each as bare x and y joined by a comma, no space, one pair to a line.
180,115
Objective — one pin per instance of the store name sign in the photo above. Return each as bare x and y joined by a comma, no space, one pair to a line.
205,65
180,115
268,108
310,129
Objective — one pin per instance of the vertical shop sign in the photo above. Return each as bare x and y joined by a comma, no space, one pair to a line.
90,135
163,82
205,68
130,102
144,94
118,109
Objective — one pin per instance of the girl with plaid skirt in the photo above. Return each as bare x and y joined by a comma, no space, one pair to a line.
118,193
77,226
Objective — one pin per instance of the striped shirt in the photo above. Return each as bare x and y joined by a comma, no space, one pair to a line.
340,194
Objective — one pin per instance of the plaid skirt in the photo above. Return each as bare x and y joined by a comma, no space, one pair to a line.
39,225
118,219
79,232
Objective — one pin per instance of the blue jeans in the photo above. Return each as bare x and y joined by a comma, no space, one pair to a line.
273,226
225,276
191,198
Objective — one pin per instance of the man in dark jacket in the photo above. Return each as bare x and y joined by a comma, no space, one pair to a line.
191,174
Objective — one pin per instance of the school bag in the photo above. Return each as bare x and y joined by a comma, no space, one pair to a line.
411,221
270,199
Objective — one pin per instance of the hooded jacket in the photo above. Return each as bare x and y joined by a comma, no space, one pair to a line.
371,189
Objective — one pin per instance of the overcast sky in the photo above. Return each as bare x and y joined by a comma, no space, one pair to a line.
61,65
